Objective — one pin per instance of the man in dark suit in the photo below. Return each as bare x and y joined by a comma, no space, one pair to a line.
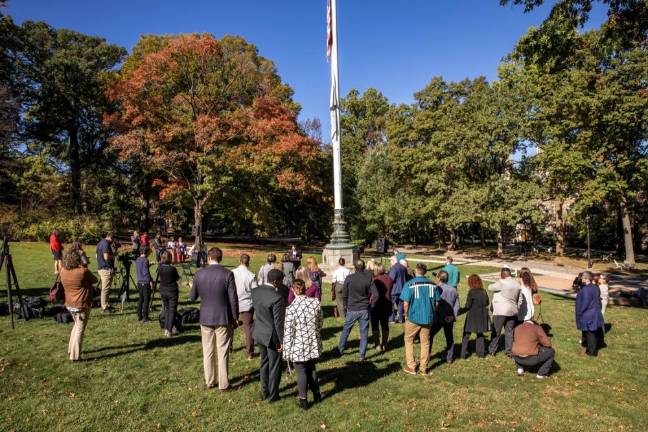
215,286
267,332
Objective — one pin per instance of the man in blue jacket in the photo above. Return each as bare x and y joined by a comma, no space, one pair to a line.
589,319
398,274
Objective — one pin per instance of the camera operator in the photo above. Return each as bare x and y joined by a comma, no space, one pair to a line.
106,269
136,244
144,285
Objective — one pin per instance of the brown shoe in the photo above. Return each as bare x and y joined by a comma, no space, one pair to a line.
424,372
409,371
228,389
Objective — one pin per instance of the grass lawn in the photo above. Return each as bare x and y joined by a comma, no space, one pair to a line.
135,379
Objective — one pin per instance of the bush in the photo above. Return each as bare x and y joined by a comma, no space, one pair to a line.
37,226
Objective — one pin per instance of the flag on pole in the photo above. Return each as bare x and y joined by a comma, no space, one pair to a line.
329,30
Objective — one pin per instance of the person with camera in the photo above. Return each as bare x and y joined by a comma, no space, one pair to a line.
78,247
532,347
589,318
144,285
506,301
136,244
105,268
219,308
77,283
169,292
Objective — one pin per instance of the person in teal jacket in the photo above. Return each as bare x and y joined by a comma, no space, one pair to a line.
454,276
421,302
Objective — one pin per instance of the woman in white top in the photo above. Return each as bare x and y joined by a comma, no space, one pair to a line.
602,283
526,310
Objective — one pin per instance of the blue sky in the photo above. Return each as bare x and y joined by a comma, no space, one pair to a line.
394,46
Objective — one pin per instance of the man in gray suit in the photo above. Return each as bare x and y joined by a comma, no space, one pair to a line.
215,286
267,332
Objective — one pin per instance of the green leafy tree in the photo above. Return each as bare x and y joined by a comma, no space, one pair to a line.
63,80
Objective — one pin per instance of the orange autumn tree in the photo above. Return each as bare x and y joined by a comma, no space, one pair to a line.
211,114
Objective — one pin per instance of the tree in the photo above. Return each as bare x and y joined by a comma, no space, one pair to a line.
63,79
215,118
362,119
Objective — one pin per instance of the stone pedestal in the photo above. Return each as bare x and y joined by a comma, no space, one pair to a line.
340,245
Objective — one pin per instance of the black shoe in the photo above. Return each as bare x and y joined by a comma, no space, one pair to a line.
273,399
146,320
303,403
317,397
336,353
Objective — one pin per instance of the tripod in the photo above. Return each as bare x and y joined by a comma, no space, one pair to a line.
12,279
126,278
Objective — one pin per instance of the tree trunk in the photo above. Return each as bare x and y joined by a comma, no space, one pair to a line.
75,169
482,236
453,240
500,242
560,230
198,217
439,236
627,234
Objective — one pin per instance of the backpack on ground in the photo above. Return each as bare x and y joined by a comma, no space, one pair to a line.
189,315
64,317
32,307
177,324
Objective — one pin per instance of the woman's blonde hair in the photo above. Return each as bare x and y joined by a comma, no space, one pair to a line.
302,274
371,265
311,263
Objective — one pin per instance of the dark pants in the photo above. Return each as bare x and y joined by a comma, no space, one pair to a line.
248,319
380,324
448,328
508,322
481,345
170,302
397,309
591,341
143,301
544,358
270,372
306,378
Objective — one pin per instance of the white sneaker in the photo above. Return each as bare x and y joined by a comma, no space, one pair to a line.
541,377
520,371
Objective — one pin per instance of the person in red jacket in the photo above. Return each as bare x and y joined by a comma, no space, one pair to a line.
57,250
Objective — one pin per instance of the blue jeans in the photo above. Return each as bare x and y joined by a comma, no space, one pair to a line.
397,309
351,318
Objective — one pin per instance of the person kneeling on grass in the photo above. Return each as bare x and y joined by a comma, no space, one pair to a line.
532,347
420,303
77,284
302,342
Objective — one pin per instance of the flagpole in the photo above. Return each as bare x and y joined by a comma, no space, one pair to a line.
340,245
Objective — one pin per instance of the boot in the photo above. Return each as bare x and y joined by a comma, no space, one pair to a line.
303,403
317,397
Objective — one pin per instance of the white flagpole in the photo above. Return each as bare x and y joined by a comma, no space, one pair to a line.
335,112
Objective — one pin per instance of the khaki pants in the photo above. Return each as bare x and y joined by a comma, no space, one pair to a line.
216,340
411,330
106,277
76,337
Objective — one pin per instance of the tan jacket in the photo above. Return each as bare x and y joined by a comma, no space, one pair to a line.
77,285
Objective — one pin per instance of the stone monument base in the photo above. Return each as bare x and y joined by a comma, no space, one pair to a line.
332,253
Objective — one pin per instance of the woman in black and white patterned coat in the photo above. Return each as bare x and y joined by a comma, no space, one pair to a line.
302,344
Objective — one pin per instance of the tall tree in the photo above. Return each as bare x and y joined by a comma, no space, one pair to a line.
64,76
215,117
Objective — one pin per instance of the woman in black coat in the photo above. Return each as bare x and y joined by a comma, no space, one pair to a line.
477,320
168,276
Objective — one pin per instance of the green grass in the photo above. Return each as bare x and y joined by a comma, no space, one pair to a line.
134,379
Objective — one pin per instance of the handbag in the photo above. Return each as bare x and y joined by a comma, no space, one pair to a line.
56,293
537,299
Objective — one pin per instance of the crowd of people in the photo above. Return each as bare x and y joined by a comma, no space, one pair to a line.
279,309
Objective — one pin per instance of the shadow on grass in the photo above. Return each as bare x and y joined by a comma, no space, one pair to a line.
131,348
355,374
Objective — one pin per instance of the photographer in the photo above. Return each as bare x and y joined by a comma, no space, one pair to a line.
144,285
105,268
77,281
